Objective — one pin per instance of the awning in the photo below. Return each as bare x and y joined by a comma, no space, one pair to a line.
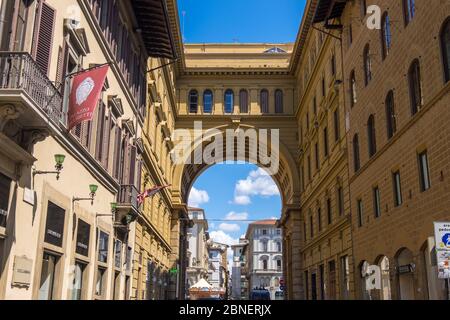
329,9
154,25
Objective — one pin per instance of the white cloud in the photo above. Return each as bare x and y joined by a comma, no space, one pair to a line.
236,216
257,183
197,197
229,227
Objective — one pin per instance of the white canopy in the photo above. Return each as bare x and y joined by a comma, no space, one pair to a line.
202,284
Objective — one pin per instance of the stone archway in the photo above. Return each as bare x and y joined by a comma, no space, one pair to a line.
286,177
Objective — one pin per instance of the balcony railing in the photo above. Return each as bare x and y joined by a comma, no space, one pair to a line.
128,196
18,71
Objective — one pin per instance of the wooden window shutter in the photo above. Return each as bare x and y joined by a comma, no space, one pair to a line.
126,160
43,35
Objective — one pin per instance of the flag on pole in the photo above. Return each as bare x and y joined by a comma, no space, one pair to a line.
84,94
149,192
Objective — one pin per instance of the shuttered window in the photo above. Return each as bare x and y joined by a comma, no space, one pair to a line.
43,37
117,151
100,131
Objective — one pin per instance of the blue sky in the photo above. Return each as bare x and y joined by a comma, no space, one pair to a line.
233,192
270,21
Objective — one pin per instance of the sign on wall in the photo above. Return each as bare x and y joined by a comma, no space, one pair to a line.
442,240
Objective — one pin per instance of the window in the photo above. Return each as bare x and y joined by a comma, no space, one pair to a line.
278,246
100,284
278,232
243,101
311,226
333,65
264,101
386,35
360,212
363,7
331,294
445,44
193,101
409,10
415,87
319,219
103,247
264,263
322,282
278,101
329,211
340,197
325,142
424,172
356,161
229,101
264,231
5,184
208,101
353,98
367,65
278,265
77,285
48,275
397,189
309,168
336,125
391,122
376,202
83,234
371,138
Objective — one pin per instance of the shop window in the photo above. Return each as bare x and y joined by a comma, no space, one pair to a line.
103,247
5,186
54,227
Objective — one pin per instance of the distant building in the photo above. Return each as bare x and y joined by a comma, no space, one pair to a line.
264,256
217,265
238,279
197,238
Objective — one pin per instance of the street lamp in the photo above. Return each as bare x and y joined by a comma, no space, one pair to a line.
59,160
93,189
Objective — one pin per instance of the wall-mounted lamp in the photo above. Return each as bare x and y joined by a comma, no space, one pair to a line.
59,160
93,189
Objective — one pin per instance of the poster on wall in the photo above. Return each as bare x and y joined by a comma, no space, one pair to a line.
442,239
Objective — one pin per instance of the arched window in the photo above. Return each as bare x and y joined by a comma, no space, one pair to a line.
371,139
264,101
356,161
353,97
193,101
409,10
391,123
229,101
445,44
278,246
207,101
243,101
278,101
415,87
264,245
386,35
367,65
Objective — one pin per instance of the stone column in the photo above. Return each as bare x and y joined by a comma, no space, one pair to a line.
218,100
253,102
